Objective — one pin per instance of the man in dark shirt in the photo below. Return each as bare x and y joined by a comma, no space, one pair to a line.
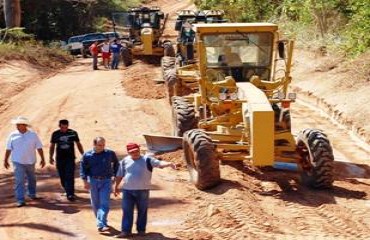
98,166
64,139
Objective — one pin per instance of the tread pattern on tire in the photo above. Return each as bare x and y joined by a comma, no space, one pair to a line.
168,66
183,116
201,159
168,49
126,56
314,146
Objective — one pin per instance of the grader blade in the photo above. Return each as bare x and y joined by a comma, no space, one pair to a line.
160,143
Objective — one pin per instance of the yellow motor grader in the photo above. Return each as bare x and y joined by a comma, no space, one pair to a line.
239,107
141,29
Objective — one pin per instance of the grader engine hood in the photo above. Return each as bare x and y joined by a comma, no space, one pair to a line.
259,119
147,40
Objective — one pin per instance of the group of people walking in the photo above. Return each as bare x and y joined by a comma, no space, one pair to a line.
99,170
107,49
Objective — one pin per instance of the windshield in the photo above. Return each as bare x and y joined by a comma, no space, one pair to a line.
75,39
253,49
93,37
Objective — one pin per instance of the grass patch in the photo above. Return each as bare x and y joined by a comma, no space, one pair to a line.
34,53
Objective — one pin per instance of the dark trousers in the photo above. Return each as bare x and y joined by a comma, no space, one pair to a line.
130,199
66,171
95,61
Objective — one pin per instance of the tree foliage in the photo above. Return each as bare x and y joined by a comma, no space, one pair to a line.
59,19
342,22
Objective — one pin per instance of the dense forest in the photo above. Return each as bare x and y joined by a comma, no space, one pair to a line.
59,19
343,25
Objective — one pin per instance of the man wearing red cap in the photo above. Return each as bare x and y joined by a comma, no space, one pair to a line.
136,169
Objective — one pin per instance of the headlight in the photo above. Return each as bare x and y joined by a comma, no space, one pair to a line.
222,96
292,96
280,95
233,96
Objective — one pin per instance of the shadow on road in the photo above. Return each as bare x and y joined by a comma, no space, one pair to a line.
290,189
43,227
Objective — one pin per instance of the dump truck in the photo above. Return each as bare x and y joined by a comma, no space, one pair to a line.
238,107
141,29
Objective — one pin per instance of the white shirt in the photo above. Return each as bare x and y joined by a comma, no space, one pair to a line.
23,146
105,47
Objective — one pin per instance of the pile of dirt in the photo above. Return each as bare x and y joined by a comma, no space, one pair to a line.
140,81
174,156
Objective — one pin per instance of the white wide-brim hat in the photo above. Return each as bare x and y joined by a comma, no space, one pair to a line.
21,120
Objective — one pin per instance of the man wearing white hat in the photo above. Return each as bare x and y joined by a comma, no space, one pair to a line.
21,145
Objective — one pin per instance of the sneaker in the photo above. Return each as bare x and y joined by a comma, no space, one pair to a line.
21,204
123,235
103,229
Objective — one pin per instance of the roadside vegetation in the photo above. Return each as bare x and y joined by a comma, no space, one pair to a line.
335,25
339,26
38,41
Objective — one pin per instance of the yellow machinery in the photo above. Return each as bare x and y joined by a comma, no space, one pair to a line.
239,106
185,39
142,30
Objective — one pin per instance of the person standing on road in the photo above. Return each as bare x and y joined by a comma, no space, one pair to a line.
98,166
136,170
105,49
94,51
115,48
21,145
64,139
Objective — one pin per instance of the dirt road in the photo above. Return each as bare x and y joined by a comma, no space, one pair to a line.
249,204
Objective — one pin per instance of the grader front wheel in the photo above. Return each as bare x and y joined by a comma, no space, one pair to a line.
201,159
316,159
183,116
126,56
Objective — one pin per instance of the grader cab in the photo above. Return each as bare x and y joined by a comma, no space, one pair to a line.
239,106
186,35
142,29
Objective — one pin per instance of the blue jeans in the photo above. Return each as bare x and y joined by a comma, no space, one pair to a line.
115,60
100,196
140,198
21,171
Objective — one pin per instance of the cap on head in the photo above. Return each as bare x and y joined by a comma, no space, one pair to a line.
132,147
21,120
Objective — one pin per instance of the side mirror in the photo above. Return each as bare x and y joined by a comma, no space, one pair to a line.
281,49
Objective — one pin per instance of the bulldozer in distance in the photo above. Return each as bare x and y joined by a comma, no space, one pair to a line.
237,107
142,30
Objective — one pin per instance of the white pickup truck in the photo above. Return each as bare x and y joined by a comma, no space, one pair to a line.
74,45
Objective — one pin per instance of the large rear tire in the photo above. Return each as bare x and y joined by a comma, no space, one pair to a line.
316,159
168,49
169,76
126,56
183,116
201,158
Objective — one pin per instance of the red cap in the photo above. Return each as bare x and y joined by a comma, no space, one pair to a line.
132,147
